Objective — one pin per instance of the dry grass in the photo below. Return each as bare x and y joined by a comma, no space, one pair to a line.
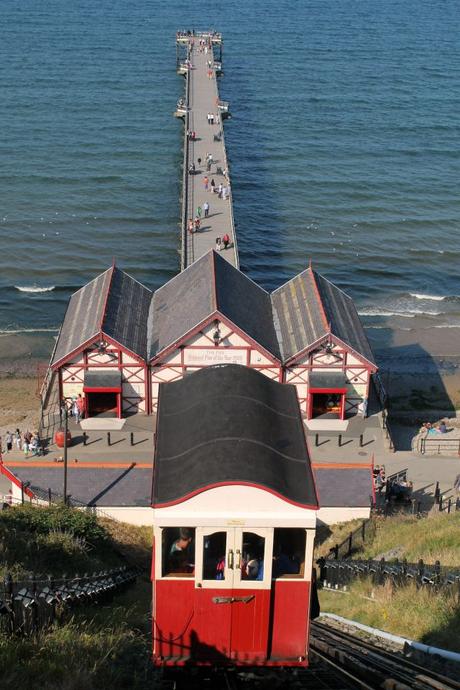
431,539
328,536
417,614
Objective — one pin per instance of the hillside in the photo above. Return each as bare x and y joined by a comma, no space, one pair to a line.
419,614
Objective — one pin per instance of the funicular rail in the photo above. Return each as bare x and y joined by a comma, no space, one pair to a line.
375,666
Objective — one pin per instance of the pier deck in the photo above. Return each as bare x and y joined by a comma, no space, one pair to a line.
201,98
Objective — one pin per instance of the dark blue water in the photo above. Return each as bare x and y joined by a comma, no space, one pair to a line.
344,148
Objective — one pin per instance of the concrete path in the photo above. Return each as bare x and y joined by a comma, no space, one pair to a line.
203,98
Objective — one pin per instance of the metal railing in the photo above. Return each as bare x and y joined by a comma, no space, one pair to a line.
337,574
26,606
437,445
354,539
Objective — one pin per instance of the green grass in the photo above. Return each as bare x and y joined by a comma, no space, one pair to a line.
99,647
105,648
419,614
54,541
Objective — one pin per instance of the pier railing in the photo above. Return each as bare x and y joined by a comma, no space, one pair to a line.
185,176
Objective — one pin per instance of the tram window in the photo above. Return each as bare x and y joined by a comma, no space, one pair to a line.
178,552
214,550
288,553
252,560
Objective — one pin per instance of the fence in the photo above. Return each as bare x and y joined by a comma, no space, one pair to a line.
337,574
355,539
435,446
30,605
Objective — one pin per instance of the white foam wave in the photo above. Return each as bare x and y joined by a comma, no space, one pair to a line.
402,314
28,330
34,288
436,298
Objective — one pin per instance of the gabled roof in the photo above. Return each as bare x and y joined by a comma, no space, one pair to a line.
230,424
113,304
308,308
211,284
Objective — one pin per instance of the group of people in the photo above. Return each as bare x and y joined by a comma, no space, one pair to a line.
75,407
429,428
223,243
213,119
27,442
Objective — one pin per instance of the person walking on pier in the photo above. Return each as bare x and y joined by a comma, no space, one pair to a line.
198,211
206,209
206,183
190,225
213,184
226,241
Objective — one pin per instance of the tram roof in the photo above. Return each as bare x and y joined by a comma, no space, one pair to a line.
229,424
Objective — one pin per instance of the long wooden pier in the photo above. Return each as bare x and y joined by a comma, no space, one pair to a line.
205,158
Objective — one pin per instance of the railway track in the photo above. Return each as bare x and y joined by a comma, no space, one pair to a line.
374,666
338,661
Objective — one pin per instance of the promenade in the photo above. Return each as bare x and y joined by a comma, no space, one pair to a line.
201,99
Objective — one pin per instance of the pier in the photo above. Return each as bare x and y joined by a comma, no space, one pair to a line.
199,60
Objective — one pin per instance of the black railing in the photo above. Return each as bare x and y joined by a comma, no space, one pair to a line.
435,446
335,574
26,606
354,539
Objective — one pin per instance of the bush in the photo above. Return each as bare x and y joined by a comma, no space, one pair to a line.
62,518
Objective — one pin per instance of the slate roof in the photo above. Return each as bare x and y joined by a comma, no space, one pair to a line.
83,316
343,487
230,424
210,285
300,313
113,303
309,307
95,487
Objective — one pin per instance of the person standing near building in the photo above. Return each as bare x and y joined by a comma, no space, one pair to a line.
206,209
81,405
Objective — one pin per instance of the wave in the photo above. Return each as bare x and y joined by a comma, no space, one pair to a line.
28,330
403,314
436,298
34,288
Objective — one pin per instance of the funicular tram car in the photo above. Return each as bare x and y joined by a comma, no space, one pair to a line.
234,522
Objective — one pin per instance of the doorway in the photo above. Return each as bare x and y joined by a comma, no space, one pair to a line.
327,405
102,404
232,589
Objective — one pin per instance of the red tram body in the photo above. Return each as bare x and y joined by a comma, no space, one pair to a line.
234,522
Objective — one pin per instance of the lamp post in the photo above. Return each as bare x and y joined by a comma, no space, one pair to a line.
66,427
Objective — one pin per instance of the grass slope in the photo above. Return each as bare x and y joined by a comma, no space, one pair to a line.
419,614
100,647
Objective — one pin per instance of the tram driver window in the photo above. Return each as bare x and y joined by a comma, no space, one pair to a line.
178,552
289,553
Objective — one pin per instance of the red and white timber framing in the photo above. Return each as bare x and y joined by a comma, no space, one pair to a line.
199,349
90,357
331,355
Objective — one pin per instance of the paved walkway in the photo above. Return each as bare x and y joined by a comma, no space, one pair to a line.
203,96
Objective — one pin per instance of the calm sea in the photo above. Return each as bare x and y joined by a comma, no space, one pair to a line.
344,148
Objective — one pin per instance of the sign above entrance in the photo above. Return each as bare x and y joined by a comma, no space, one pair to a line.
207,357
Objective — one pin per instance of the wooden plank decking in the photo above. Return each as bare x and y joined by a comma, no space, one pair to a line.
201,98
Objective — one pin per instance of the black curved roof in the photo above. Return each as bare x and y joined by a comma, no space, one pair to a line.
230,424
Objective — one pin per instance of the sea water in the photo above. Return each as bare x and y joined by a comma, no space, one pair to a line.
343,149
